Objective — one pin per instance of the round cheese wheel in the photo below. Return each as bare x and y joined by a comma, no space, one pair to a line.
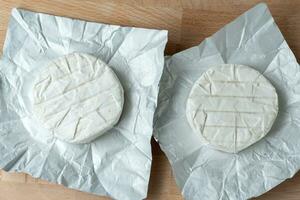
231,107
77,98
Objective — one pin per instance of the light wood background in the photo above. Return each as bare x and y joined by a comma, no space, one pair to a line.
188,22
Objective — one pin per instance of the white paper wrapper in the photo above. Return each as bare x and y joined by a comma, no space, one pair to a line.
201,172
118,163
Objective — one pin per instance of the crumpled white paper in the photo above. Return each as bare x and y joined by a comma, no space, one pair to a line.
117,164
253,39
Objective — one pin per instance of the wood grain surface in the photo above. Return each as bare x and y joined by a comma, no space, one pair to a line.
188,22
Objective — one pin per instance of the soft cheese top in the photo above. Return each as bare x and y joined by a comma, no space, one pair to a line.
231,107
77,97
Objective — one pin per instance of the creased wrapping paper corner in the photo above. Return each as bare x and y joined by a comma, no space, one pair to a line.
253,39
118,163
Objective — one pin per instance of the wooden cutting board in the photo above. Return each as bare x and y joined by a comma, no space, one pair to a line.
188,22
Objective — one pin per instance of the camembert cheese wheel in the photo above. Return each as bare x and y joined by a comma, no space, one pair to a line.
77,98
231,107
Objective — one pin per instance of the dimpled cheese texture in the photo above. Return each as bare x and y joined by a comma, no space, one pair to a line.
77,98
231,107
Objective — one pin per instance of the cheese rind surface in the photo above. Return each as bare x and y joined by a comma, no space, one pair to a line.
77,97
231,107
